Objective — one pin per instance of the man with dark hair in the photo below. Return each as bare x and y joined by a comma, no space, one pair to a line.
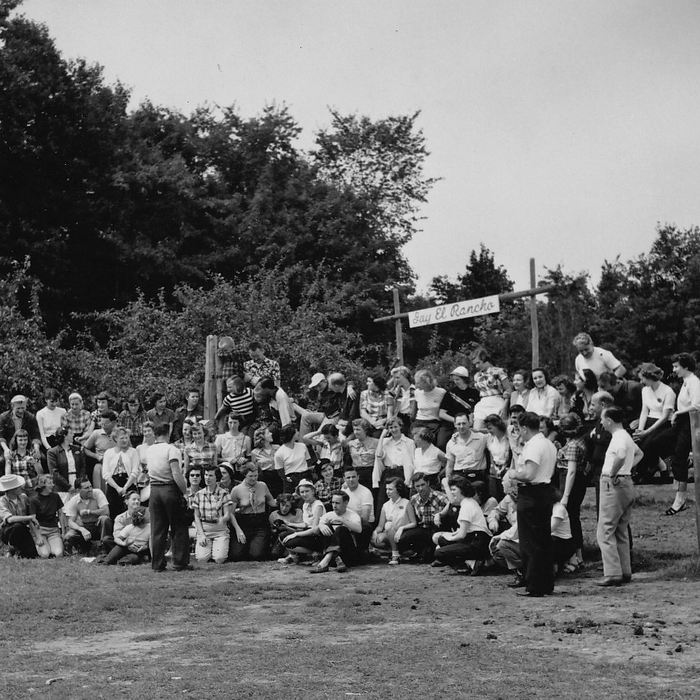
192,409
466,452
626,393
534,470
427,503
98,443
88,517
259,366
597,440
361,501
167,503
18,418
616,499
339,529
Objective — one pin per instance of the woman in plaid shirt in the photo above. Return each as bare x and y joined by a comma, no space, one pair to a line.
212,512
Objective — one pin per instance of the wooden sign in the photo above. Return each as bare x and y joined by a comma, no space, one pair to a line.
457,311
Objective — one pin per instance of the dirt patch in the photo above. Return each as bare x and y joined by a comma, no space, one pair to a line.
121,643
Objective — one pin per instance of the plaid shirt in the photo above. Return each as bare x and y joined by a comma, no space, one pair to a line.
324,491
210,504
573,451
490,381
78,424
427,510
199,456
133,423
24,466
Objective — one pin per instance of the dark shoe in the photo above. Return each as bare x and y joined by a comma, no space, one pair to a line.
436,564
188,567
626,578
340,565
674,511
517,582
478,567
530,594
608,581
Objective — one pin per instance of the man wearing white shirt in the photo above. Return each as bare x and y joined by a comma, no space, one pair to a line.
361,501
340,529
598,360
534,471
616,499
466,452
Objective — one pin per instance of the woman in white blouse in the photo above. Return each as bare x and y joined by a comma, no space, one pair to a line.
653,435
427,458
543,398
394,458
120,470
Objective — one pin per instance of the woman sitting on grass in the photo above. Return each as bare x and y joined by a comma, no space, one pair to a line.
468,546
132,542
46,505
304,538
282,523
397,515
19,529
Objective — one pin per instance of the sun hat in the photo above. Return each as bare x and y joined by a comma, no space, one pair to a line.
460,372
316,379
306,482
18,398
11,481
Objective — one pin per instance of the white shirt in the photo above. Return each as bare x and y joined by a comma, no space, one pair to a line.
75,504
395,453
282,405
469,454
542,453
350,519
659,401
562,528
360,497
543,401
600,361
292,461
428,403
689,395
130,460
470,512
395,513
158,458
49,421
428,461
621,446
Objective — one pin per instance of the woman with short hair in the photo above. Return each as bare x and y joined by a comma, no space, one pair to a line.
375,404
586,385
292,459
397,515
263,457
65,461
305,538
120,470
23,461
361,450
427,458
233,446
544,398
46,505
426,402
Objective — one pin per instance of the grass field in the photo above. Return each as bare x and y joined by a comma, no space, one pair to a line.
75,630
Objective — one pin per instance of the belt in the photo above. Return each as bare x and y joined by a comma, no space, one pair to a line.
534,486
617,476
209,522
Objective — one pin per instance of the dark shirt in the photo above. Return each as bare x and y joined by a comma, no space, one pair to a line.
180,415
597,443
7,426
628,396
339,405
460,400
46,508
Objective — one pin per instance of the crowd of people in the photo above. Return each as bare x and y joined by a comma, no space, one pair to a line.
488,472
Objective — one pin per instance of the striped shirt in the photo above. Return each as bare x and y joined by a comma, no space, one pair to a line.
240,403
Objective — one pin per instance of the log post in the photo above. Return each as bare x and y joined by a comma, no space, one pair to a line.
210,377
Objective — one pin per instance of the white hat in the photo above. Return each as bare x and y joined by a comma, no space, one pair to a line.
75,395
306,482
317,379
11,481
18,399
460,372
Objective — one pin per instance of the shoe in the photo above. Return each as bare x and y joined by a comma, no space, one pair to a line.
517,582
478,567
289,559
340,565
608,581
187,567
317,569
530,594
674,511
436,564
394,561
626,578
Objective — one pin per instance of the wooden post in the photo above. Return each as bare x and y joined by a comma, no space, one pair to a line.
533,318
399,330
210,377
695,441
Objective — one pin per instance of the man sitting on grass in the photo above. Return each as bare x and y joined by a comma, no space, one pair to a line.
339,529
88,517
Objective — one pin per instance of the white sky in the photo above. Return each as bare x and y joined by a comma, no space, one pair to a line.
564,129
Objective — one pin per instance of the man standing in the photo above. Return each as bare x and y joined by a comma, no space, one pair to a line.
166,504
98,443
616,498
534,471
598,360
466,452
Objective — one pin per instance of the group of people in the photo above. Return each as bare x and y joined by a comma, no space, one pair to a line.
490,471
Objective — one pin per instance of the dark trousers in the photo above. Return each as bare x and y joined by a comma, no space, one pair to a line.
474,546
343,542
681,448
167,511
257,537
534,531
420,540
18,536
100,531
115,500
273,480
123,555
562,550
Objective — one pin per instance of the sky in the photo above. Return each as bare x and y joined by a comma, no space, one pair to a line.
562,130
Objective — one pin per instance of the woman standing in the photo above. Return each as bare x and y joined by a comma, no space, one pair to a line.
460,398
427,458
494,389
375,404
120,470
653,435
521,388
49,419
544,398
566,390
361,451
234,446
22,461
403,391
46,505
498,448
263,457
426,402
394,458
291,459
249,500
65,461
572,473
397,515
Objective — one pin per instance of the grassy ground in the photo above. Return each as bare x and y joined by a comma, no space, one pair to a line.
75,630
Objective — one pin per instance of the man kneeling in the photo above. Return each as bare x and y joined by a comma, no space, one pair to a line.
339,529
